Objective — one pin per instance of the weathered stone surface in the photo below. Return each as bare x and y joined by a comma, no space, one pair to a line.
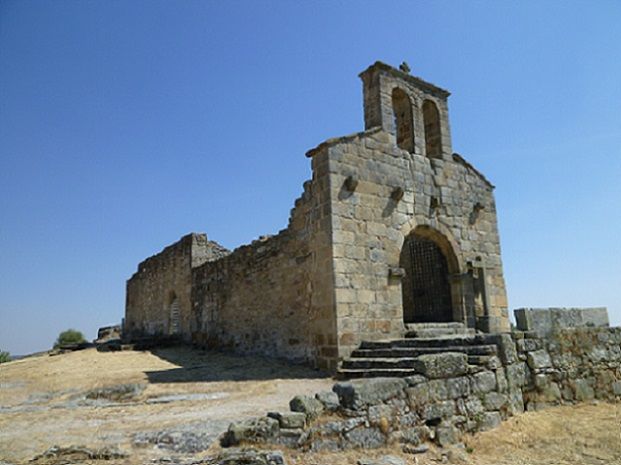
253,430
329,399
355,394
70,454
483,382
384,460
549,393
506,347
473,406
494,401
247,457
418,395
321,444
439,410
309,406
528,345
408,419
366,438
517,374
116,393
546,321
447,434
538,359
516,402
289,420
458,387
488,420
438,390
382,411
290,437
408,449
377,413
443,365
415,379
501,380
582,390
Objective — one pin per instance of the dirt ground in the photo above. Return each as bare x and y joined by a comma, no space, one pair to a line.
47,401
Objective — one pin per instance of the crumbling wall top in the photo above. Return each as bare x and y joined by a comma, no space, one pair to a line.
545,321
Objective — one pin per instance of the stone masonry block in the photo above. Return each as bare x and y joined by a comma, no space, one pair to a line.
483,382
310,406
359,393
549,320
458,387
439,410
289,420
539,359
444,365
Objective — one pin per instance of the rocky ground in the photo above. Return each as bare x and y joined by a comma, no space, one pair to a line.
170,406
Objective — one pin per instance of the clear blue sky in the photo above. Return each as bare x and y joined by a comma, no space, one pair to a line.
126,124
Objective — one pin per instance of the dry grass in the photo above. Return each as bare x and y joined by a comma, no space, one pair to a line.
41,394
40,410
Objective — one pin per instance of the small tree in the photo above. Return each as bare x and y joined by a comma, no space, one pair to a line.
4,356
70,336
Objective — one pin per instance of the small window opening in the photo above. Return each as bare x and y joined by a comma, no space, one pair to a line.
404,122
433,134
174,326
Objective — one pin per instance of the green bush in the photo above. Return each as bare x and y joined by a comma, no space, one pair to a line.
4,357
70,336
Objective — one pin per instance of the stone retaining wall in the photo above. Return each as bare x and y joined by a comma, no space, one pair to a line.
449,397
571,365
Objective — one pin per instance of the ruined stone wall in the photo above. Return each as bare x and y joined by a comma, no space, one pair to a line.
275,296
449,396
161,278
369,225
572,364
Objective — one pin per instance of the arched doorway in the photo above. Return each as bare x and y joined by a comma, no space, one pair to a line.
429,263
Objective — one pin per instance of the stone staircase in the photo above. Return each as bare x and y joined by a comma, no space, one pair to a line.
398,357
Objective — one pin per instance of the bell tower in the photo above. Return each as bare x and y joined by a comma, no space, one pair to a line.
413,110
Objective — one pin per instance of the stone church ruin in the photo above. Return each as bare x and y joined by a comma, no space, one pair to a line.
393,229
389,269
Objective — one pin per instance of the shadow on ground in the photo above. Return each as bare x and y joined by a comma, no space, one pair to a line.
195,365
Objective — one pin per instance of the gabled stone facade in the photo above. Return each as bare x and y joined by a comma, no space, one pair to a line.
393,228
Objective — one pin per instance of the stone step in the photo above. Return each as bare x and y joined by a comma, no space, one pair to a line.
436,329
403,352
437,332
352,373
378,363
450,324
443,342
481,360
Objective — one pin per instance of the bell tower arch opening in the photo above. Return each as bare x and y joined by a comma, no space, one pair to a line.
433,132
403,119
430,292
